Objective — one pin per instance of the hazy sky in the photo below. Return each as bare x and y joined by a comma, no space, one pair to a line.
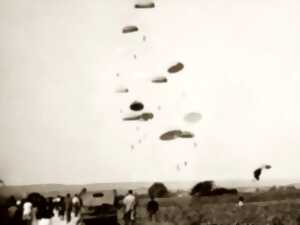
61,120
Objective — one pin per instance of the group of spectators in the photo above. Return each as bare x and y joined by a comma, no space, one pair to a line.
35,209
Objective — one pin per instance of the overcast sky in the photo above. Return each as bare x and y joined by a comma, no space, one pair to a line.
61,120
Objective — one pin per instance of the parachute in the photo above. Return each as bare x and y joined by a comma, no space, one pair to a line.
136,106
173,134
186,134
192,117
142,117
160,80
147,5
122,90
130,29
257,173
176,68
170,135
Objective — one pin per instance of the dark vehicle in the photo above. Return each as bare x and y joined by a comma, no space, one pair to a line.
98,208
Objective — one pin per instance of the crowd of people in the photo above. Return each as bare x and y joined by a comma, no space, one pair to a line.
35,209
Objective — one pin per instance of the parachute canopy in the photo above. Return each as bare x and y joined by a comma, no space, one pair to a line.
136,106
130,29
186,134
176,68
144,5
268,166
122,90
142,117
160,80
173,134
192,117
170,135
257,173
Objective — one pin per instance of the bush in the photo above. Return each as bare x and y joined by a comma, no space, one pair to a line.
222,191
203,188
158,190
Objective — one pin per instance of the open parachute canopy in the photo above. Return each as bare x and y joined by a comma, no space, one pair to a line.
130,29
170,135
192,117
144,5
176,68
160,79
122,90
257,173
142,117
174,134
186,134
136,106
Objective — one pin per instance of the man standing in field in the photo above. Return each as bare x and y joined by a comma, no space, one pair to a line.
129,202
241,201
68,207
27,212
152,208
76,204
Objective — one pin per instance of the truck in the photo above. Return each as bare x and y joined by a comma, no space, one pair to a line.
98,208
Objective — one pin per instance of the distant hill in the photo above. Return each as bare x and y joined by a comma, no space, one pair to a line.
139,187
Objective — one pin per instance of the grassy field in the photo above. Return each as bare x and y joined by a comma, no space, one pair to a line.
184,211
261,208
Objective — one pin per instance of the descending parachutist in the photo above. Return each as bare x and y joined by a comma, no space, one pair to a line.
134,56
144,38
132,147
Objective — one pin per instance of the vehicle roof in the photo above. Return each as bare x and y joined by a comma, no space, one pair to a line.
88,198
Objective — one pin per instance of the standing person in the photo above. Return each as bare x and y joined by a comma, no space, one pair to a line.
129,203
241,201
27,212
60,206
46,213
68,207
152,208
76,204
12,211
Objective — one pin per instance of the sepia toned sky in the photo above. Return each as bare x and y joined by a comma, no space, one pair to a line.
61,119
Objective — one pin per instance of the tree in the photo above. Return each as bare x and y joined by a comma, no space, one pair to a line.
203,188
158,189
291,188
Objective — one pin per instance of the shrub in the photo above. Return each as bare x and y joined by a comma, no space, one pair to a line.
158,190
202,188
